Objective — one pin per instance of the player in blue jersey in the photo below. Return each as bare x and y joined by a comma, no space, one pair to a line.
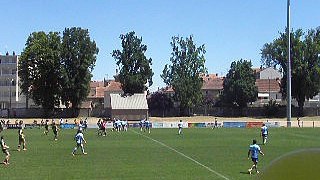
79,140
264,133
147,124
254,150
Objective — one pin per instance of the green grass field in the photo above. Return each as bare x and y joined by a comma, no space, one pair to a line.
197,154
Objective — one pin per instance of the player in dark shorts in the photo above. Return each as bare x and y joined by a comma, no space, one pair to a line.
46,127
22,140
5,150
55,130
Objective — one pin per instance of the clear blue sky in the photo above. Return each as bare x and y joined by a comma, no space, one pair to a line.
230,29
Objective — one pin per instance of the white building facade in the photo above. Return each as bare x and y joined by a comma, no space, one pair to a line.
9,89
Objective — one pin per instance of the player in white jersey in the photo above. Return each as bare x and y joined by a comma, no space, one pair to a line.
264,133
254,150
5,150
125,125
79,140
141,123
180,124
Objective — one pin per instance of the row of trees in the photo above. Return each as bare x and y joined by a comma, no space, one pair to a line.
54,68
188,62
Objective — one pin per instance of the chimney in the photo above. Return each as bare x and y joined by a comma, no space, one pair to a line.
13,53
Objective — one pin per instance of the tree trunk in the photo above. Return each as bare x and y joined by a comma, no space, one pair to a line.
300,111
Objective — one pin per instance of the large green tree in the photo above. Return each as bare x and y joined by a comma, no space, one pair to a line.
160,101
135,69
239,85
184,72
78,57
305,63
39,69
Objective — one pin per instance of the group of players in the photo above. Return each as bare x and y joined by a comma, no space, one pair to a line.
79,138
117,125
5,147
145,125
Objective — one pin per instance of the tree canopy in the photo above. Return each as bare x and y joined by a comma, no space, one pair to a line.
160,101
305,62
78,57
54,70
239,85
39,69
135,69
184,72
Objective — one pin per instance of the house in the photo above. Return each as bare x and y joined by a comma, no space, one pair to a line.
268,89
97,91
131,107
212,86
268,83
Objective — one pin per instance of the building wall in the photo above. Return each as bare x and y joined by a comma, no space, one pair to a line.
129,114
9,81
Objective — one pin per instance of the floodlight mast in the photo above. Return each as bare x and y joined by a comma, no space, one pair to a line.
288,68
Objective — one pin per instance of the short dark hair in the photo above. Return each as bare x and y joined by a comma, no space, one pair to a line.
254,141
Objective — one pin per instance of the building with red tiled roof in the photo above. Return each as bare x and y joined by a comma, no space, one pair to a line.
97,92
268,89
267,82
212,87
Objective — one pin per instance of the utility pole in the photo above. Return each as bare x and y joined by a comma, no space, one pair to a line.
288,69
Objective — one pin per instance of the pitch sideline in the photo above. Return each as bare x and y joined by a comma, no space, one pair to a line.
178,152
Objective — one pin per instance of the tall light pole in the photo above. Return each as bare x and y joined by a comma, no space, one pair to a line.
288,69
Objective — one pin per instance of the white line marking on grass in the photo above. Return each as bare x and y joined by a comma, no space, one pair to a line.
195,161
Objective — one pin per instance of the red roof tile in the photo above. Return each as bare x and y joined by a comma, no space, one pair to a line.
216,83
114,86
